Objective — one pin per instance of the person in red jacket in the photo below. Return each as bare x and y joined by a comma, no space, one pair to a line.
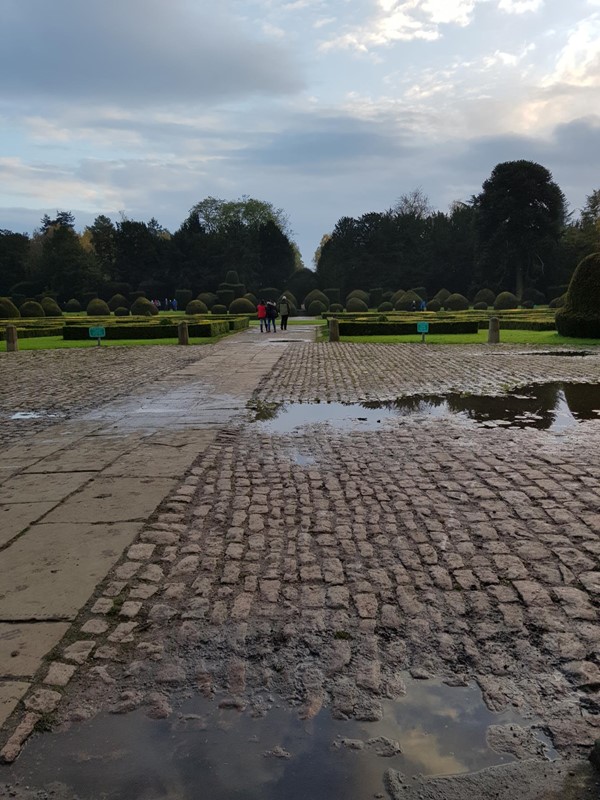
261,312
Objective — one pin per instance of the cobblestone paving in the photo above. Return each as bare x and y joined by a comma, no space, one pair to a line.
58,383
425,546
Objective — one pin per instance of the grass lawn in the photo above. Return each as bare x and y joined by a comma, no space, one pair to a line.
508,337
58,343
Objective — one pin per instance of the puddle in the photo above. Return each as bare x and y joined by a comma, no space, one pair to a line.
552,407
34,415
561,353
440,730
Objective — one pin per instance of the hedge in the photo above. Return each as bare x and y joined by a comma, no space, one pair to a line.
403,328
199,329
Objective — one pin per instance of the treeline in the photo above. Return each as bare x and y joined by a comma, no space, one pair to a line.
515,235
246,235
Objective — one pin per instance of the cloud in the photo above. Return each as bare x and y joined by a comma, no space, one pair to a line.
139,52
520,6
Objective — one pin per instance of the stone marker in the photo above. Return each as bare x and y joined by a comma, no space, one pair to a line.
334,330
183,335
12,340
494,331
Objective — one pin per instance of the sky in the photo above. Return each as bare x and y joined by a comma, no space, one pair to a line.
324,108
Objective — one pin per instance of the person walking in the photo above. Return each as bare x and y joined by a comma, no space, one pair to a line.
261,313
284,310
271,315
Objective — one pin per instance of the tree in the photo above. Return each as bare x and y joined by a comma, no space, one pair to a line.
103,236
14,250
521,213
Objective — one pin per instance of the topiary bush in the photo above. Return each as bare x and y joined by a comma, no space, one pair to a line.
87,297
526,304
385,306
231,276
117,301
291,297
481,306
336,308
8,309
252,298
73,305
97,308
218,309
408,302
196,307
183,297
505,300
208,298
333,295
242,306
387,296
51,307
225,297
316,294
397,295
364,296
316,308
537,298
456,302
484,296
375,297
355,305
421,291
580,315
558,302
441,296
121,311
269,293
31,308
142,307
434,305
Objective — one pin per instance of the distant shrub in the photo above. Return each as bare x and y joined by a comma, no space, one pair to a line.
481,306
225,297
97,308
434,305
231,276
73,305
336,308
51,307
408,302
505,300
375,297
387,296
183,297
396,296
252,298
196,307
8,309
355,304
558,302
421,291
316,294
385,306
142,307
291,297
441,296
87,297
360,294
118,301
218,309
537,298
580,315
316,308
31,308
456,302
121,311
484,296
208,298
269,293
526,303
333,295
242,306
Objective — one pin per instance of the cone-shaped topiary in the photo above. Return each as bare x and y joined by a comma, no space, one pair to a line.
196,307
242,306
456,302
316,294
142,307
356,305
97,308
434,305
385,306
580,315
481,306
441,296
51,307
8,309
484,296
364,296
316,308
118,301
121,311
73,305
408,302
505,300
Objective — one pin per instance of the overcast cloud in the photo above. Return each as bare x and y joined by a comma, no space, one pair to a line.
325,108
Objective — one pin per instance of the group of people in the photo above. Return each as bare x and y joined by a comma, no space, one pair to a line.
166,305
268,312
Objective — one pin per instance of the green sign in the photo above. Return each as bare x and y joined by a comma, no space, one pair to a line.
97,333
422,327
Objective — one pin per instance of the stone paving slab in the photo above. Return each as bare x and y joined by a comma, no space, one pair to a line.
152,459
23,646
49,487
10,694
52,571
90,453
17,517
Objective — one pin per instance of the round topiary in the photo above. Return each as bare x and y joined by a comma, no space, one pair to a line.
316,294
73,305
434,305
196,307
51,307
385,306
456,302
336,308
218,309
8,309
118,301
121,312
356,305
251,297
558,302
481,306
410,301
208,298
364,296
505,300
142,307
242,306
31,308
97,308
316,308
580,315
484,296
441,296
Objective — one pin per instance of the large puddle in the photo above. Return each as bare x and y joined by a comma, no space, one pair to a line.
552,407
204,751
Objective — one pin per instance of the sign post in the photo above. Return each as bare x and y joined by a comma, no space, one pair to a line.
97,333
422,328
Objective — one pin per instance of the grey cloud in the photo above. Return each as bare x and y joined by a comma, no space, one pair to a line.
139,52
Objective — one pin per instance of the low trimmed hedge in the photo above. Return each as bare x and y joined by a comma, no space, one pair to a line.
31,333
403,328
198,329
